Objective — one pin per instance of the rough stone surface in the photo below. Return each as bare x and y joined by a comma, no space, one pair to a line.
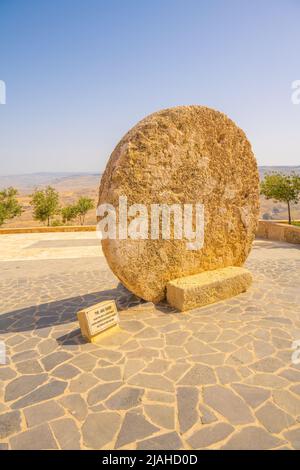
66,433
187,399
228,404
42,413
206,288
252,438
188,154
39,438
273,418
135,427
169,441
210,435
10,423
99,429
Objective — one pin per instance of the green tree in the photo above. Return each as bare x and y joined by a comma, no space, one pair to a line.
83,205
282,188
69,213
9,205
45,204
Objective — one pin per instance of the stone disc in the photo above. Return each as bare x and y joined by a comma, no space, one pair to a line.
183,155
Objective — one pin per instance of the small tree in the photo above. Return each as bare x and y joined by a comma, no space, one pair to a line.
83,205
282,188
9,205
45,204
69,213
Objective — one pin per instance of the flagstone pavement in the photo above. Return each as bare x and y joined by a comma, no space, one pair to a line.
220,377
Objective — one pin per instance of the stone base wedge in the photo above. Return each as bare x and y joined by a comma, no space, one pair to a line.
207,287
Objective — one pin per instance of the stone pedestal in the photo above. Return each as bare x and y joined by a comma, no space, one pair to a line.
208,287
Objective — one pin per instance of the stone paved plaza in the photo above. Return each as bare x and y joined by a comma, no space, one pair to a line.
219,377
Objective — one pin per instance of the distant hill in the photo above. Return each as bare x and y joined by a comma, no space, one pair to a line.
282,169
69,180
27,182
73,185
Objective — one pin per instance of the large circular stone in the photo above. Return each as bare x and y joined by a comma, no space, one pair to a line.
187,154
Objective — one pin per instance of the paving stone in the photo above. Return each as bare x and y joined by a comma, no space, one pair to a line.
23,385
281,343
101,392
54,359
267,364
83,383
215,359
209,435
168,441
206,415
195,346
174,352
287,401
224,347
157,382
85,362
134,428
38,438
127,397
253,396
28,344
43,412
132,325
292,375
163,397
241,356
108,373
66,433
161,415
262,349
176,371
252,438
296,389
47,346
199,375
32,366
147,333
228,404
157,366
143,353
108,354
23,356
132,366
45,392
273,418
267,380
6,373
65,371
75,405
226,374
10,423
293,436
155,343
100,428
187,400
177,337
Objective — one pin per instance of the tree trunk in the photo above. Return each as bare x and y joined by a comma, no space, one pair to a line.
289,212
48,221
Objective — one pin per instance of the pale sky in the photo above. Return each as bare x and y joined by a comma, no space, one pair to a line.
80,73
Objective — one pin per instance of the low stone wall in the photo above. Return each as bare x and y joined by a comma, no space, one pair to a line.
64,228
269,230
273,230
